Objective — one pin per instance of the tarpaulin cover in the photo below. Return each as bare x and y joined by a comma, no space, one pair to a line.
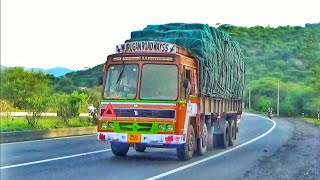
221,59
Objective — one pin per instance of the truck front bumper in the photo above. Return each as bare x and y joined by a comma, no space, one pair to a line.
148,139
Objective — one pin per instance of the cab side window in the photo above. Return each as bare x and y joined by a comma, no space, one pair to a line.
186,75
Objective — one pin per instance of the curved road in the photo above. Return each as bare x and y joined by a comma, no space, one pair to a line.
85,158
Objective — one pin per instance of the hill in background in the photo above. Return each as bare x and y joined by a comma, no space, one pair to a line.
56,71
268,52
274,52
86,78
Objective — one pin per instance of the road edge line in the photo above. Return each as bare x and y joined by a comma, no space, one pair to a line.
219,154
53,159
47,139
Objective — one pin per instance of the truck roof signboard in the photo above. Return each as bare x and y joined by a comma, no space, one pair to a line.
146,46
142,58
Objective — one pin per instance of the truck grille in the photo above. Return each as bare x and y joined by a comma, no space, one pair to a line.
135,127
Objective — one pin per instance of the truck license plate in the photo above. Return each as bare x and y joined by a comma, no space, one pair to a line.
134,138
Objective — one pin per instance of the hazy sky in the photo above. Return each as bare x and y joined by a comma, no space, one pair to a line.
82,33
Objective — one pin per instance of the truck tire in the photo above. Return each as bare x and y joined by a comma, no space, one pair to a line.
185,151
119,149
216,140
139,147
232,133
202,143
224,138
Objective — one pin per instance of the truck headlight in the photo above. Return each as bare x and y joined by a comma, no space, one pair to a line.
161,127
110,124
169,127
104,125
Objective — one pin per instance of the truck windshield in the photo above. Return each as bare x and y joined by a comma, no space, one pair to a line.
159,82
121,81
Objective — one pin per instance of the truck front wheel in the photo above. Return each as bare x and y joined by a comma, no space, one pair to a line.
185,151
119,149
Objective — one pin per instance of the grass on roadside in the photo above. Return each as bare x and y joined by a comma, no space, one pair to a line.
313,121
21,124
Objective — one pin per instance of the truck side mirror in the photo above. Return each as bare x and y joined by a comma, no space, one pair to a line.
100,80
185,83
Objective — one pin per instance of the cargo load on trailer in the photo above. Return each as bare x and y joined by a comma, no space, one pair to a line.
221,59
172,85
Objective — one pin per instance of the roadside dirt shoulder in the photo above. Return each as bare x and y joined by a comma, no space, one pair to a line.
298,159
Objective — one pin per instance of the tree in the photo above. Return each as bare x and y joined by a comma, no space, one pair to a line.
6,109
94,96
68,105
17,85
264,103
36,105
310,53
313,107
294,99
64,85
262,90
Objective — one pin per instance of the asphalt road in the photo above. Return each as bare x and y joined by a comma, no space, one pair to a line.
85,158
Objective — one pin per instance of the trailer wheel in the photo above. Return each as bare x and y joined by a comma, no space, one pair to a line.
224,138
139,147
232,133
119,149
185,151
216,140
202,143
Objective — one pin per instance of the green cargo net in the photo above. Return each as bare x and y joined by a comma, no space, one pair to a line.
221,59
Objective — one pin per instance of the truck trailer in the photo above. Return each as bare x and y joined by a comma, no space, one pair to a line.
175,85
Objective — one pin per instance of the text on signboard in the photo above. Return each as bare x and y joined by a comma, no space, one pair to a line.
149,46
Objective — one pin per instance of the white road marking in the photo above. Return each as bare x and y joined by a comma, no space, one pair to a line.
216,155
48,139
53,159
155,177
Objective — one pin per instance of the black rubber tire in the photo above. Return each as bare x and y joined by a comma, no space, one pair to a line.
119,149
139,147
232,133
185,151
224,138
216,140
202,145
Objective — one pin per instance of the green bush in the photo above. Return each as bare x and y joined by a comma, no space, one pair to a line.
36,105
68,105
6,109
264,103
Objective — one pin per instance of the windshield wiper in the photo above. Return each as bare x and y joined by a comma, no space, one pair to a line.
121,73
